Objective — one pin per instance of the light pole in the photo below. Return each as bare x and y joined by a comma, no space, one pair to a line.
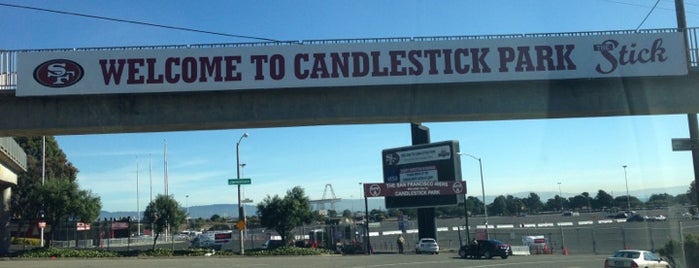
186,204
485,207
361,194
240,207
628,199
560,195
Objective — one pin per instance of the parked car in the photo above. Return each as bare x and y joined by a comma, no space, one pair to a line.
637,218
486,249
618,216
428,245
272,244
659,218
634,258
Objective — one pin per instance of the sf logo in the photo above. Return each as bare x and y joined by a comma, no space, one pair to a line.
60,73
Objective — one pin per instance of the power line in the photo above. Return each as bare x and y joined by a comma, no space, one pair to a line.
646,6
648,15
138,22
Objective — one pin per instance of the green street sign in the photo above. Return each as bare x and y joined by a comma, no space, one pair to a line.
239,181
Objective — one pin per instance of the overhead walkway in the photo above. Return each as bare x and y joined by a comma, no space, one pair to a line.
347,104
8,58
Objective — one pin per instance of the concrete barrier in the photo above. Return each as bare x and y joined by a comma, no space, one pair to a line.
520,250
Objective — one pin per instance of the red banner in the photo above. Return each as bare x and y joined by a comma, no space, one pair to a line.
414,188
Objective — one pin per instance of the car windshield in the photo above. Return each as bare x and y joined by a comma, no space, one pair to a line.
376,123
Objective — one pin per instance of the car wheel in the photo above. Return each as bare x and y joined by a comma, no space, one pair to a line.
487,255
462,253
504,256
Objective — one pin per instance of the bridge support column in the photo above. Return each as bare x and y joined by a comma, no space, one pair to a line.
6,193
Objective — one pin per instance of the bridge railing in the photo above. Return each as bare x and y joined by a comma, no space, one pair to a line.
8,58
11,150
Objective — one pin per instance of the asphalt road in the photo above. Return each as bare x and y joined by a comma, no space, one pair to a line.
444,260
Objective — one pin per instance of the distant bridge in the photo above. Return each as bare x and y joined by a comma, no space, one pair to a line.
328,198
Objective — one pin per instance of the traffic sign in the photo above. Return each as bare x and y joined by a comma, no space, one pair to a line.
240,225
684,144
239,181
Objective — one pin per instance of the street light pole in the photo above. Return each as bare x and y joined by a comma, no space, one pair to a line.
186,204
240,207
485,207
560,195
628,199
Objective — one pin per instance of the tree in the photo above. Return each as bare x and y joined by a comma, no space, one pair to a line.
216,218
660,200
579,201
62,200
603,200
450,211
499,206
24,204
332,213
474,205
533,203
622,201
692,193
284,214
162,212
514,205
347,214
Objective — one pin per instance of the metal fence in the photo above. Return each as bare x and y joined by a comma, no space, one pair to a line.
8,58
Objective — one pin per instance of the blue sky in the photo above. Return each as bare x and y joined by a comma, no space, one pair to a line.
584,154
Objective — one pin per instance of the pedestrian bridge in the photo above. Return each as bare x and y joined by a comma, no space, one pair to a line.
261,106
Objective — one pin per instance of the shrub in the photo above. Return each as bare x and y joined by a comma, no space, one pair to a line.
66,253
288,251
691,248
25,241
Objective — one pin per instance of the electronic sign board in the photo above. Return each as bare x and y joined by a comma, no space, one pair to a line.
424,164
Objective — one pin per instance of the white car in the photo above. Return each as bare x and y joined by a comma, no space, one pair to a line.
635,258
427,245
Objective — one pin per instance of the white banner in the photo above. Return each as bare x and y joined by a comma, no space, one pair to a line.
349,64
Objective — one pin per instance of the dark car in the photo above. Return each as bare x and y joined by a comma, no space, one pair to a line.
272,244
636,218
486,249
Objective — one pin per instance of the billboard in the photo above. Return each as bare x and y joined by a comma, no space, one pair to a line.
343,64
420,175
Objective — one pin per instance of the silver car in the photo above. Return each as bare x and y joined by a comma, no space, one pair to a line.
635,258
428,245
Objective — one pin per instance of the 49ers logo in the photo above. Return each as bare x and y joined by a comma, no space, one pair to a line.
58,73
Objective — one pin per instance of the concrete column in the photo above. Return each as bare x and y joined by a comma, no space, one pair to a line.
5,220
